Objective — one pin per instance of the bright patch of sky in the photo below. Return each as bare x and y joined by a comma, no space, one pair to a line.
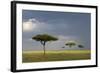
66,26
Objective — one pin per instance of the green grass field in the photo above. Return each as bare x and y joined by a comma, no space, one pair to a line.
38,56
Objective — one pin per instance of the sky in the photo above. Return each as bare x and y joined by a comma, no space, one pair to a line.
66,26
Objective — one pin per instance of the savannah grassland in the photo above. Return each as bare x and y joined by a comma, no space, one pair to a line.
38,56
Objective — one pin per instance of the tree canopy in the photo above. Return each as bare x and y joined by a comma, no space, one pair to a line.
70,43
44,37
80,46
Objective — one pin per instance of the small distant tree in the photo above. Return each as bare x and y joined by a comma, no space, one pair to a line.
43,39
80,46
70,44
63,47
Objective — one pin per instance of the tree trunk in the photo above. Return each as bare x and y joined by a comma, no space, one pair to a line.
43,43
44,49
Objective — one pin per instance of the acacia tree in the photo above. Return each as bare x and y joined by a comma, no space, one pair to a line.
43,39
80,46
70,44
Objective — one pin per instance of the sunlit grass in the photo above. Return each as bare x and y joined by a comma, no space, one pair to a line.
38,56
